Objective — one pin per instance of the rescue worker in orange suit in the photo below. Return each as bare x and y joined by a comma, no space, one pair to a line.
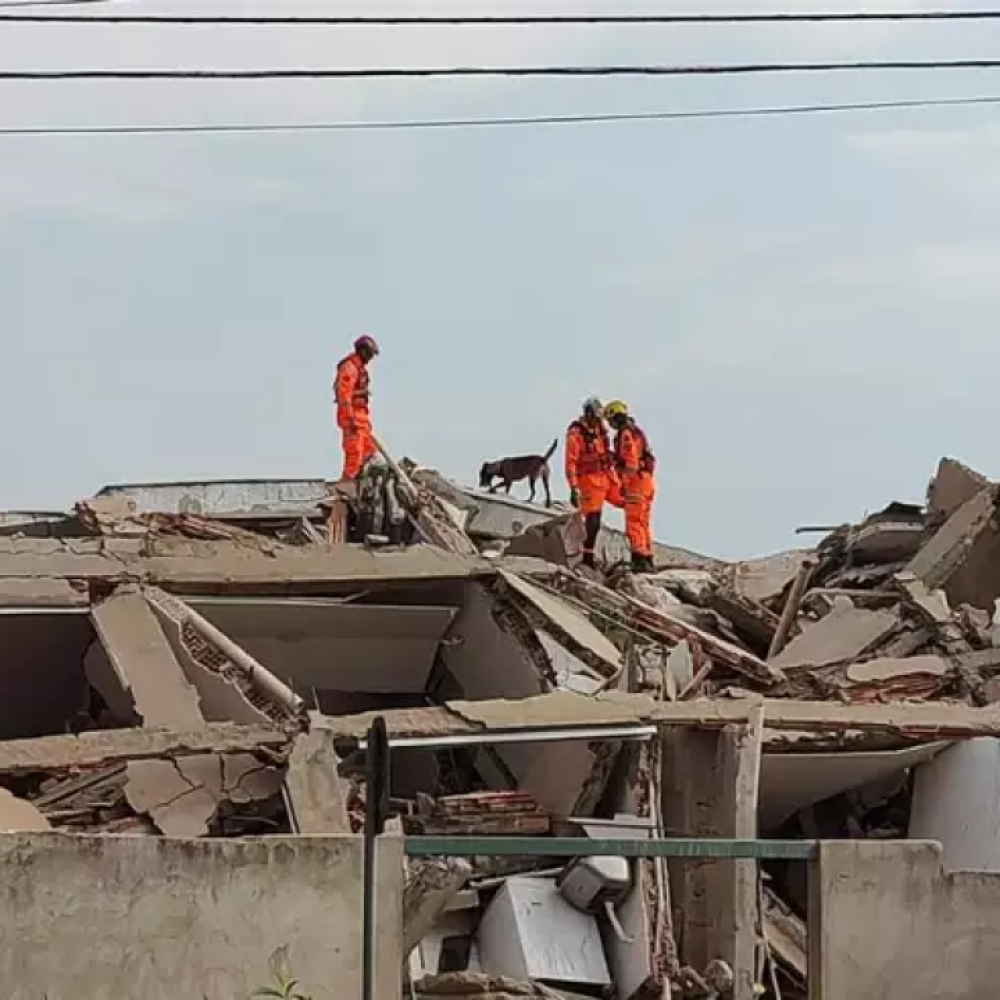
352,393
635,465
590,472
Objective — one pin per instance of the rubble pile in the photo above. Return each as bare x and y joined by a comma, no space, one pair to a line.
209,674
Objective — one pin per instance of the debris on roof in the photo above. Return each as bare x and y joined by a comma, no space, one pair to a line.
202,660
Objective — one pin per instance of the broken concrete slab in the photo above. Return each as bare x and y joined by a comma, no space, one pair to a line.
315,792
200,566
566,625
765,579
963,557
18,815
65,753
953,485
842,636
659,625
581,713
433,884
785,932
142,662
884,669
898,678
893,535
754,623
178,806
182,797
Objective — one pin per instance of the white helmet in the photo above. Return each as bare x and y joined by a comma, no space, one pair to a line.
593,405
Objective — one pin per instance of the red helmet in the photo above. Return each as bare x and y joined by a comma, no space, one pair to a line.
366,342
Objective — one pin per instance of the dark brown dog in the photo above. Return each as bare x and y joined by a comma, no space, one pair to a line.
514,469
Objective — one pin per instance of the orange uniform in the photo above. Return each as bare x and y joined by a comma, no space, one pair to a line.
636,464
591,475
353,413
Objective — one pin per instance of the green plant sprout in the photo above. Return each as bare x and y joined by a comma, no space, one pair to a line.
283,989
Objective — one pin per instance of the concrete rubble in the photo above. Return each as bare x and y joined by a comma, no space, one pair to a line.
179,665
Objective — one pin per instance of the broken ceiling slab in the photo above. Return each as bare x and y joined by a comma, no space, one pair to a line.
141,661
790,782
566,625
17,815
963,556
65,753
845,634
323,644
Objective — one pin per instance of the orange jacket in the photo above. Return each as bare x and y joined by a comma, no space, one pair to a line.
352,392
632,452
588,452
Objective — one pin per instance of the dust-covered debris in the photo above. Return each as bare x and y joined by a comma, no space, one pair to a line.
798,694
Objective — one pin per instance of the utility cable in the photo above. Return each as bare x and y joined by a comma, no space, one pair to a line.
325,73
502,19
453,123
18,4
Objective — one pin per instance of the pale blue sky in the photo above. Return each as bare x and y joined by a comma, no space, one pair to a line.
801,311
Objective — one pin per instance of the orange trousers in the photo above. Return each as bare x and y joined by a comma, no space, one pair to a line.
638,492
597,489
358,447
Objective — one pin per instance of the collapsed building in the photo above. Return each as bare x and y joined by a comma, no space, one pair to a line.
181,660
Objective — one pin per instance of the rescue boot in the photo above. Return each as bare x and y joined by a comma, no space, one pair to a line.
648,566
589,561
637,564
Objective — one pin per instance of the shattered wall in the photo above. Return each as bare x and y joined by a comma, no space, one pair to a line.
892,925
113,917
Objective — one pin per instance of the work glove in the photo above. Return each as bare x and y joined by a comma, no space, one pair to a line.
574,497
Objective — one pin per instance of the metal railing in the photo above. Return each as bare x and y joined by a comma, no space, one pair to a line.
655,847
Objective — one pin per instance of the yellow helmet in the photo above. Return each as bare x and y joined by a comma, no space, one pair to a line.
616,408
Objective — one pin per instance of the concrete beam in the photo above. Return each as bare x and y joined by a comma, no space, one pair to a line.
64,753
929,720
202,567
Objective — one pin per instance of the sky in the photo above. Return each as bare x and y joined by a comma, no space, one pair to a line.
801,311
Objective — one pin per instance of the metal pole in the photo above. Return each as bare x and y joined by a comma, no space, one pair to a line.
376,809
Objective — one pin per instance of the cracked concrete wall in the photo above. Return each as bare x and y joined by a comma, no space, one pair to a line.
151,917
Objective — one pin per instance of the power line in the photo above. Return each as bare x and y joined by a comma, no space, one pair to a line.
452,123
325,73
40,3
489,19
